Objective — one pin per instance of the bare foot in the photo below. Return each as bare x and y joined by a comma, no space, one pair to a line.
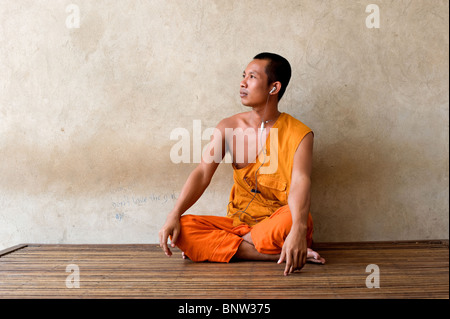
248,238
311,257
314,257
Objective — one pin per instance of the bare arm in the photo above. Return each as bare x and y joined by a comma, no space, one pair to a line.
194,187
294,250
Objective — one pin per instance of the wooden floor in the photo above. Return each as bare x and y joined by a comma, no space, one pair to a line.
407,270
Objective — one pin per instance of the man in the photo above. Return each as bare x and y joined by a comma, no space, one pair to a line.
268,214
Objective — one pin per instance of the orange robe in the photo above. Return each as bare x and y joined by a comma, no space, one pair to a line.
258,206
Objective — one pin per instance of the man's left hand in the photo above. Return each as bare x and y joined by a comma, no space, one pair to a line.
294,252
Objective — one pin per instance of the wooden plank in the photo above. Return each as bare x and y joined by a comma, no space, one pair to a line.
407,270
417,244
9,250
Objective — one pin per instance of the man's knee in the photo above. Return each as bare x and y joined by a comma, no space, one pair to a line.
187,222
270,234
186,219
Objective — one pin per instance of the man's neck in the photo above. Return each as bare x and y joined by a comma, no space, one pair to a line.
267,114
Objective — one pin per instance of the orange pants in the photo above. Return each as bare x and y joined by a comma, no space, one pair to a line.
213,238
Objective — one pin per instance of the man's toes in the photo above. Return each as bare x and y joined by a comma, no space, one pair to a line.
314,257
319,260
312,254
184,255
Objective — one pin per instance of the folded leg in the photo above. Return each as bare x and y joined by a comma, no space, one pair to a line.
269,235
210,238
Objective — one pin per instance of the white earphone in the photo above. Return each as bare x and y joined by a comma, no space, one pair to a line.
273,90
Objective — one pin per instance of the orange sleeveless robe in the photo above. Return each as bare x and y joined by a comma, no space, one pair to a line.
257,205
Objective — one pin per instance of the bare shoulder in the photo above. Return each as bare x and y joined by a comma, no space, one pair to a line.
234,121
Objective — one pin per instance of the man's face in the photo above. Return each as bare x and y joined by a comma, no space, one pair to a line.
254,87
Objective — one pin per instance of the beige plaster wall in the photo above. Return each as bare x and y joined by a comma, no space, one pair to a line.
86,113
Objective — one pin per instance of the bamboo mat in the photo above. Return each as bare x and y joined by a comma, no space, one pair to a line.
406,270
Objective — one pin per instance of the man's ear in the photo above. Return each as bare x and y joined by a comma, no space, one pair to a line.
277,86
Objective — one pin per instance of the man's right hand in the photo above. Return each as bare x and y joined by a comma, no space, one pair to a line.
171,228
